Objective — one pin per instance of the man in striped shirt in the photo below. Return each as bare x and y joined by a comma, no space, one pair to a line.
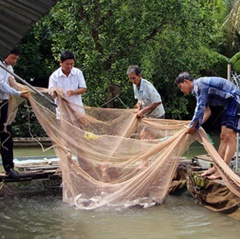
214,91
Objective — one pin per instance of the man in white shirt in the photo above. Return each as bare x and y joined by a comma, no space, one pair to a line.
69,80
6,80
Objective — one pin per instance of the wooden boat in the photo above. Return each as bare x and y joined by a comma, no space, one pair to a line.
212,194
36,177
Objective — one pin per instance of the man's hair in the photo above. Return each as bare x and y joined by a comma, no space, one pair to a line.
16,51
134,69
183,76
66,55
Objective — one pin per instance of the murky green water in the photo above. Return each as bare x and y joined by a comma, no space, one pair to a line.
47,217
32,151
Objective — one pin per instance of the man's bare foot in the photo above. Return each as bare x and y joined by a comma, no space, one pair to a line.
209,172
214,176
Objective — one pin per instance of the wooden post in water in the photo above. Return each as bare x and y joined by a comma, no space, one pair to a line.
229,71
237,147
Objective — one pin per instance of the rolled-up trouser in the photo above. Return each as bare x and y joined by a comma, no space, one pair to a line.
6,138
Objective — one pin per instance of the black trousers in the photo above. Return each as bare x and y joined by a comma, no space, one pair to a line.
6,138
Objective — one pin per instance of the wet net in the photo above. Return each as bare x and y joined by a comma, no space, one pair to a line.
110,158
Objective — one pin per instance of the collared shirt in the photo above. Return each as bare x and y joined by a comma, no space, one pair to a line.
147,95
212,91
73,81
5,89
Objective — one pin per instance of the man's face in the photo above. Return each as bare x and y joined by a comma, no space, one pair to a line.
11,59
67,66
185,86
135,79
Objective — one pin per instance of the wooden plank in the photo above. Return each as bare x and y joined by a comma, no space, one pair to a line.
31,175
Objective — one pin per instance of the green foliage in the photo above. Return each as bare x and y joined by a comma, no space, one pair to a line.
26,124
163,37
235,61
109,36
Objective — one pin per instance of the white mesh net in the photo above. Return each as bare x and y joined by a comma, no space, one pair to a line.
110,158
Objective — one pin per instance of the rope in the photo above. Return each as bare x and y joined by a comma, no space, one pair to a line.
117,96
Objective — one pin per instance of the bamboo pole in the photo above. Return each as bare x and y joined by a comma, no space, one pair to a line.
237,143
27,84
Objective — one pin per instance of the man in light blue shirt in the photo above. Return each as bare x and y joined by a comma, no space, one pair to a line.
214,91
149,100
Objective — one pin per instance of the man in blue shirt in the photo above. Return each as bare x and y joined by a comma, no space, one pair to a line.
214,91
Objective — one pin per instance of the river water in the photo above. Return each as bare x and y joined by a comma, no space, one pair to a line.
47,217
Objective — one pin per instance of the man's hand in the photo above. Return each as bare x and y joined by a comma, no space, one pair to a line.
70,93
189,130
25,94
54,94
141,113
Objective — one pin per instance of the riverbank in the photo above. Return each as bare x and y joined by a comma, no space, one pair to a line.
32,147
32,142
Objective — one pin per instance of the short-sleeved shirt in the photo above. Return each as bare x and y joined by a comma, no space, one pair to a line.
5,89
214,91
146,96
73,81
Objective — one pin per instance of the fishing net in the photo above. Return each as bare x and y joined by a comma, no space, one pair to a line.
108,157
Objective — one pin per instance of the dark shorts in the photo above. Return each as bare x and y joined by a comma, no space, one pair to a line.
231,116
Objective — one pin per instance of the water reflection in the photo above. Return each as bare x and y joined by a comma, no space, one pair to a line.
48,217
